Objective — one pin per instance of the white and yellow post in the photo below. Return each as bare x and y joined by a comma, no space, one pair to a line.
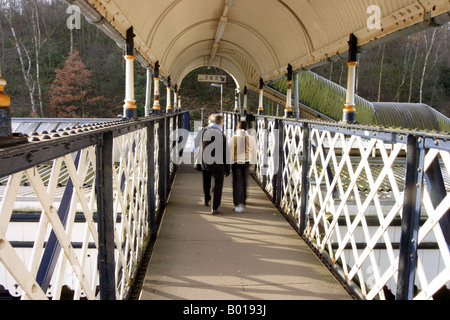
129,108
156,106
169,97
261,97
244,109
148,93
288,108
179,99
5,112
236,105
6,136
349,112
175,99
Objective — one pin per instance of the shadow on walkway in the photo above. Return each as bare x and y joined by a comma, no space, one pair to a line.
231,256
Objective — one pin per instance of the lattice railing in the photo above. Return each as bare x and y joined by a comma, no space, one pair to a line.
372,202
77,210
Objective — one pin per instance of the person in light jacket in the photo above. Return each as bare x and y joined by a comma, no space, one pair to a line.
242,148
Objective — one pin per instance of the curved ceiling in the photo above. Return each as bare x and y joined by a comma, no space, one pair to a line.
254,38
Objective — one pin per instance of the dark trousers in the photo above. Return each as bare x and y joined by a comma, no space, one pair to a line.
240,176
213,179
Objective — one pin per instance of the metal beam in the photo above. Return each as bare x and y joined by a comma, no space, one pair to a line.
105,201
410,218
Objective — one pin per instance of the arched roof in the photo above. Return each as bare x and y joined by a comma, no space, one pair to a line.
252,38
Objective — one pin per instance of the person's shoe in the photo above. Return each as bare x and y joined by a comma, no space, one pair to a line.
206,203
239,208
214,212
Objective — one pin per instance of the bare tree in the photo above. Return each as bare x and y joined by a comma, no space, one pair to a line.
36,31
9,8
416,44
25,53
406,59
442,43
381,72
428,50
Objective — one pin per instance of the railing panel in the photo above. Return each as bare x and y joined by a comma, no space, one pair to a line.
129,187
347,189
434,272
59,256
345,193
52,233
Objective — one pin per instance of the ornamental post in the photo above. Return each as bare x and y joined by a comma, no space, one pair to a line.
288,108
6,136
156,106
129,108
261,97
169,97
349,112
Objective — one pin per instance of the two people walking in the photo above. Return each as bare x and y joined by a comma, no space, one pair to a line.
217,158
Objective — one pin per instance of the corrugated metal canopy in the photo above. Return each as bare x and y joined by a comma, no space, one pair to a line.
251,38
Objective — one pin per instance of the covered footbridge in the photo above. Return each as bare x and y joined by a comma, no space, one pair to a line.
98,207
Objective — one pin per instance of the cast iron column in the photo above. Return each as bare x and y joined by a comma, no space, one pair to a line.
261,97
156,106
169,97
349,111
129,108
6,136
288,108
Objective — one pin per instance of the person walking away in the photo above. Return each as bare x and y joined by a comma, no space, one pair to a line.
242,148
215,163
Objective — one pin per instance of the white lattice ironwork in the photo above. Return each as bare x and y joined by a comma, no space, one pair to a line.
73,266
261,158
267,155
56,245
130,186
432,273
356,199
292,170
352,203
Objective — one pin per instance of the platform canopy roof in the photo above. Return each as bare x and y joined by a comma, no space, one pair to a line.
253,39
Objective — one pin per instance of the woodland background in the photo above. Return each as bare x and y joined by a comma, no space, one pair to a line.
53,71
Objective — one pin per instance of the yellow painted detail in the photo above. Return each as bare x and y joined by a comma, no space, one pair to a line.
5,100
129,105
349,108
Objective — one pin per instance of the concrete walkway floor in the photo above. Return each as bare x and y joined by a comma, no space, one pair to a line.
231,256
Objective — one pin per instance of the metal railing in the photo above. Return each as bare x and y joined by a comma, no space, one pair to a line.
372,202
78,208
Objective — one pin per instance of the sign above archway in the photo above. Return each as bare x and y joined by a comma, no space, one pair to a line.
216,78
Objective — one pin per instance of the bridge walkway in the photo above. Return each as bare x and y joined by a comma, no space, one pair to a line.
231,256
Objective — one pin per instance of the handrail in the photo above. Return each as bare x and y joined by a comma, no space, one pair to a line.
372,202
97,258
